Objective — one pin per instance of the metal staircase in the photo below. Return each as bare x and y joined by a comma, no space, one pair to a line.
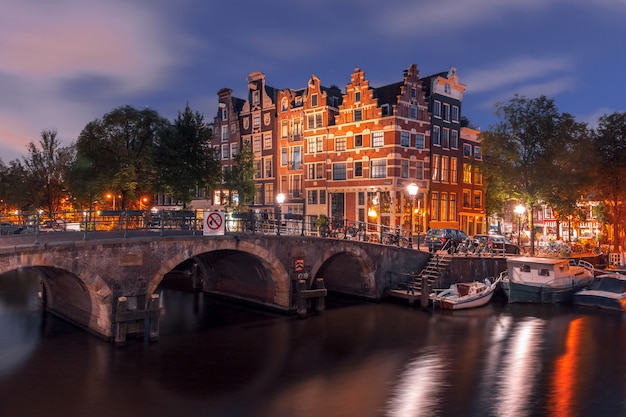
437,264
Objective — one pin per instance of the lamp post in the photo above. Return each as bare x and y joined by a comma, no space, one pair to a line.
280,199
519,209
412,189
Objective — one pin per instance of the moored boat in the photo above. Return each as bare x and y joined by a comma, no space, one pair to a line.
607,291
464,295
544,280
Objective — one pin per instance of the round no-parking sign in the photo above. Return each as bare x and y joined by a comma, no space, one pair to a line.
213,223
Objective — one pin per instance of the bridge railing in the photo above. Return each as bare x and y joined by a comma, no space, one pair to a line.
266,223
235,222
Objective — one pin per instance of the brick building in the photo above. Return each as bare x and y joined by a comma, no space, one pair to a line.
351,155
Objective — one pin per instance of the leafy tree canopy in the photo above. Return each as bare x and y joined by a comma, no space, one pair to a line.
185,159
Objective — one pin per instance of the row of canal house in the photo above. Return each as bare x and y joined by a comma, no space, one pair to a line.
351,155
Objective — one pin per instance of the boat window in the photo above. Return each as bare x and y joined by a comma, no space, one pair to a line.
544,272
524,268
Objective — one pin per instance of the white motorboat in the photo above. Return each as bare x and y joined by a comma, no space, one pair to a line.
464,295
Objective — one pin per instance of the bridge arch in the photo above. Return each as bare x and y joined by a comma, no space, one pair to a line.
347,268
70,288
237,268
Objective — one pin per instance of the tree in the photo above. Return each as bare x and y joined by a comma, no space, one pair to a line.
522,151
16,188
609,140
240,177
568,182
185,159
116,154
47,165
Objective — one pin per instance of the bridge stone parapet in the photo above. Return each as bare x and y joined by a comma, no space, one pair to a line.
109,286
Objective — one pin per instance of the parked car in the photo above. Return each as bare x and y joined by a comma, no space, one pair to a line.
435,239
498,242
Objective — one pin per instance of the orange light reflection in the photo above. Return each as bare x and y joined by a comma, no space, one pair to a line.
562,401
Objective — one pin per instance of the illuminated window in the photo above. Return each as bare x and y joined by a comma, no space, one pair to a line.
454,170
466,199
467,173
434,205
452,209
435,168
444,169
443,207
478,199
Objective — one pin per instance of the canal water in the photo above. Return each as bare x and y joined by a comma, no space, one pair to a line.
216,358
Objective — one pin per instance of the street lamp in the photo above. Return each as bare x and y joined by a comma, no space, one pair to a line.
412,189
519,210
280,199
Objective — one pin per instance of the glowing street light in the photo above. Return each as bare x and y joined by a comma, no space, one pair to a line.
280,199
412,189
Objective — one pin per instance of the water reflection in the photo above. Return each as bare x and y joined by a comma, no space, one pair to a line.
562,399
518,369
418,391
20,319
357,359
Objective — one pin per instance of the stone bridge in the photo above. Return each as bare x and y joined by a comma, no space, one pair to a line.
108,285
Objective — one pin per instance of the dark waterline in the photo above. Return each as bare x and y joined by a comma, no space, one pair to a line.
357,359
